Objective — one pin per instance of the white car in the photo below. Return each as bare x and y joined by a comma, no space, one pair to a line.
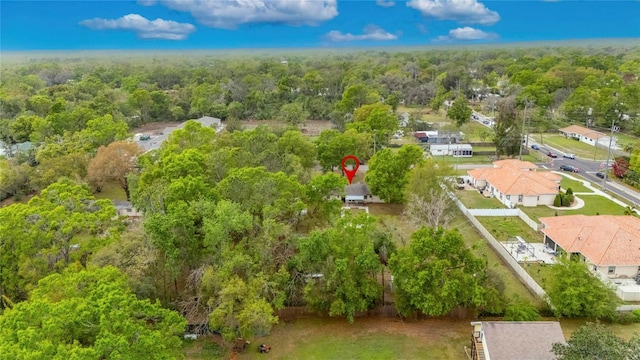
569,156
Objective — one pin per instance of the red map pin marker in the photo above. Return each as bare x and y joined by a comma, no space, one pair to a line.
350,173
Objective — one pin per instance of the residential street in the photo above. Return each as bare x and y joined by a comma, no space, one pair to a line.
588,169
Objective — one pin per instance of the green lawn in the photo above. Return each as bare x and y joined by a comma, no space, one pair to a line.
567,145
111,191
503,228
576,186
626,139
473,200
539,272
593,205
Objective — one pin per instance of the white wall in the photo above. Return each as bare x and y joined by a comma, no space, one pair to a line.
546,199
628,271
530,201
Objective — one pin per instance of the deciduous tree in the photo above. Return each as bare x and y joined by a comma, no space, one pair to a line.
113,163
341,275
388,172
435,273
575,292
597,342
460,112
89,314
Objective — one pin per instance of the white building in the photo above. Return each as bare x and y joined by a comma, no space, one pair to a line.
455,150
589,136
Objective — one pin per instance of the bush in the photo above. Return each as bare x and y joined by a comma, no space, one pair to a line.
569,191
557,202
625,318
521,311
569,198
636,314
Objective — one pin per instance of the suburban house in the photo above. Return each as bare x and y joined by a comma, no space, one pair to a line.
515,182
509,340
588,136
438,137
356,194
154,141
609,244
455,150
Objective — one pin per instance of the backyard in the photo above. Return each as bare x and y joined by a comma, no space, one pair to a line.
593,205
472,199
503,228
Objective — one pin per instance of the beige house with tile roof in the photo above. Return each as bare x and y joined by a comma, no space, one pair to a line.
610,244
515,182
586,135
510,340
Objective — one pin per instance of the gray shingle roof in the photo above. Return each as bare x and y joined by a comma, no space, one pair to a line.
522,340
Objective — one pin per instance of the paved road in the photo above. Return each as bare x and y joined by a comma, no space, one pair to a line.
588,169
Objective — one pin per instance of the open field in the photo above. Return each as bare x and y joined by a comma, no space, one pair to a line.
576,186
593,205
503,228
473,200
571,146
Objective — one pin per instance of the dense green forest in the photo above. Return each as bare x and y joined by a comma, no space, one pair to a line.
240,224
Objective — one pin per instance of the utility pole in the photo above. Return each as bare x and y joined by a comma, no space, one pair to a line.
606,165
524,117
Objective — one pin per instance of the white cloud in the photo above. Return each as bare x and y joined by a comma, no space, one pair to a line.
144,28
228,14
467,33
462,11
422,28
147,2
371,32
384,3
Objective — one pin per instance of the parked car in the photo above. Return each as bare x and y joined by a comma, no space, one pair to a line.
569,168
569,156
552,155
486,122
535,147
600,175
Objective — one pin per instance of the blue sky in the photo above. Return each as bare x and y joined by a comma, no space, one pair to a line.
202,24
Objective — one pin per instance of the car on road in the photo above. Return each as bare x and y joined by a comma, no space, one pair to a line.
600,175
569,156
552,155
486,122
569,168
535,147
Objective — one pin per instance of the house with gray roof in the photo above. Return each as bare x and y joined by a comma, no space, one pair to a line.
509,340
356,193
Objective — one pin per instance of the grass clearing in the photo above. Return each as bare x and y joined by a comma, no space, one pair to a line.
624,331
575,185
473,200
571,146
593,205
503,228
111,191
367,338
